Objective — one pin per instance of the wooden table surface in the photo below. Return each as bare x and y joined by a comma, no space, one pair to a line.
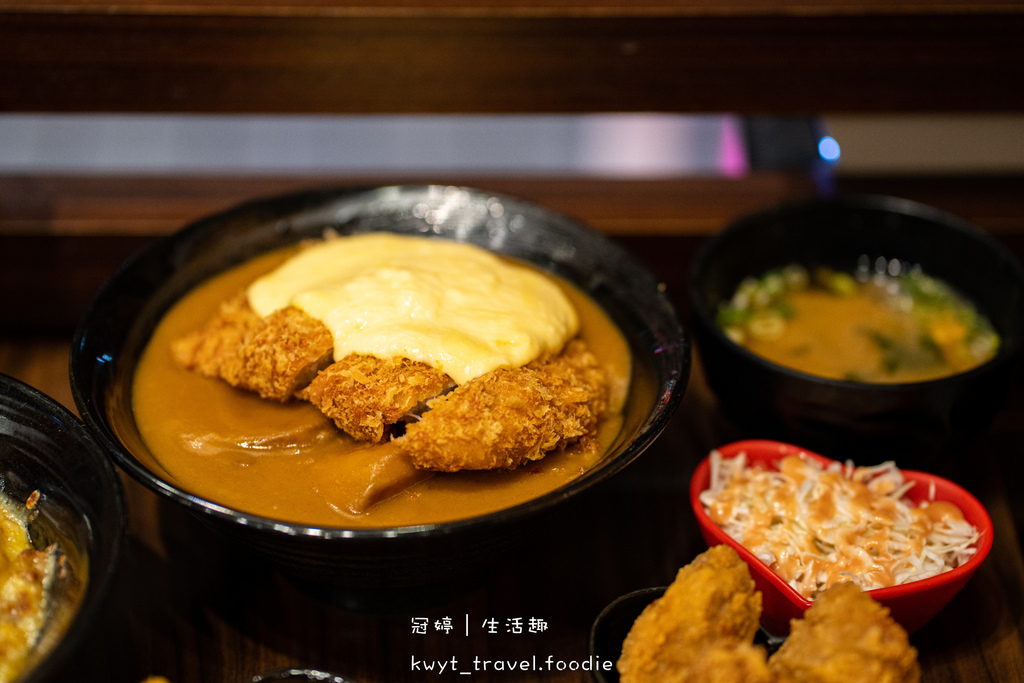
189,607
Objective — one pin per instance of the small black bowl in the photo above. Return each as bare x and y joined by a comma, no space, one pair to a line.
390,568
913,423
45,448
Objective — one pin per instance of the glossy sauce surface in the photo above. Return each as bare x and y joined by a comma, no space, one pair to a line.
289,462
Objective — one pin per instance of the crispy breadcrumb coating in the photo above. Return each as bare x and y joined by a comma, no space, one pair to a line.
284,353
212,350
274,356
501,420
511,416
711,602
846,636
365,395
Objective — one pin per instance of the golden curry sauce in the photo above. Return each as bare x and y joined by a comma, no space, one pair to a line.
289,462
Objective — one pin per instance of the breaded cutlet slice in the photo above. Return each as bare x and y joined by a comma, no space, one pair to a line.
511,416
275,356
366,395
501,420
212,350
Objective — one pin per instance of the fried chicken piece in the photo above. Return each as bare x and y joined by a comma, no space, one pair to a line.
275,356
511,416
366,395
846,636
711,603
729,661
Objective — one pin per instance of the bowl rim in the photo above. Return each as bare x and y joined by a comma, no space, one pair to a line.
102,569
764,450
906,207
669,391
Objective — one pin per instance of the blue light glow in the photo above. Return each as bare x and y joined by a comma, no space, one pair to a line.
828,148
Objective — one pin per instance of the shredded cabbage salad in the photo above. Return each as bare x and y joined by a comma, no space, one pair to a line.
815,526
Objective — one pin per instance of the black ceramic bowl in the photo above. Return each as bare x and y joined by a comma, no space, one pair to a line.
375,565
44,448
913,423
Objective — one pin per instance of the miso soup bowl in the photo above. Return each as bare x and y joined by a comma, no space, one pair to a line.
914,423
911,604
373,568
80,510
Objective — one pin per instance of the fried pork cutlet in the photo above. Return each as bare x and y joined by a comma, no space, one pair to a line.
365,395
274,356
846,636
500,420
511,416
212,350
711,603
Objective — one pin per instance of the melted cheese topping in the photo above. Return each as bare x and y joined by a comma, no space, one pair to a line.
817,526
454,306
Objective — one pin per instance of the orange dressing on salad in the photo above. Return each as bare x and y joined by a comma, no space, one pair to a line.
818,527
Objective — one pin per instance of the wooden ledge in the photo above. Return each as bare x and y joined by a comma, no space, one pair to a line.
486,56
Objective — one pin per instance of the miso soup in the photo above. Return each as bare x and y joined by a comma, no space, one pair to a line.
889,323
